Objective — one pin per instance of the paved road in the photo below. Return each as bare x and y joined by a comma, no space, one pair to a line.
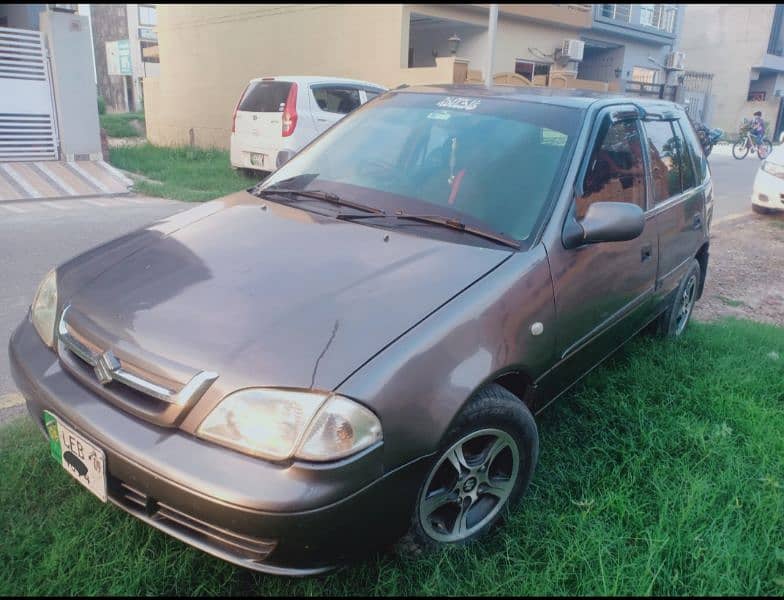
732,182
37,235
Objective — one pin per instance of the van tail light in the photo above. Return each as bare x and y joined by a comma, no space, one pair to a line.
290,112
236,108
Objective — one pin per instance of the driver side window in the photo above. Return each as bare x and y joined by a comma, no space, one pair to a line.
616,172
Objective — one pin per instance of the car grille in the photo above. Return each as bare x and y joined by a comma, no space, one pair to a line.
136,389
221,542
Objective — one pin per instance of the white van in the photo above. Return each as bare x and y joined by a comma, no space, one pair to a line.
275,117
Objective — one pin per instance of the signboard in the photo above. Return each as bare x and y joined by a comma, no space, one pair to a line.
118,58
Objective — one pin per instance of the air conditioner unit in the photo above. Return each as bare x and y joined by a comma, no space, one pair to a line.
572,49
675,61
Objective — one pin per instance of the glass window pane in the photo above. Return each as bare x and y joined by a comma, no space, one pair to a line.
495,165
266,96
616,172
665,168
336,99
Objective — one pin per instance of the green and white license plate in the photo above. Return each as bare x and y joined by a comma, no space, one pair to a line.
257,159
82,459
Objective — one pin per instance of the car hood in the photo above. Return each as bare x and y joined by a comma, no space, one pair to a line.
267,294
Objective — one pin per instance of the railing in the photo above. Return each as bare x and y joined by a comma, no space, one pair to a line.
656,16
618,12
659,16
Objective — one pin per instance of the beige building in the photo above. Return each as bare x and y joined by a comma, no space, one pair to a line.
209,52
742,45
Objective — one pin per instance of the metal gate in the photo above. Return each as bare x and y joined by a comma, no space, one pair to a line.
28,127
696,91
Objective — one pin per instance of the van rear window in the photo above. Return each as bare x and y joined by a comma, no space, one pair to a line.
266,96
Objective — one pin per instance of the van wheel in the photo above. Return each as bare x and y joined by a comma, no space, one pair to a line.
673,321
481,470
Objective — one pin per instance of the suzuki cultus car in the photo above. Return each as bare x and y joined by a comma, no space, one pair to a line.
355,349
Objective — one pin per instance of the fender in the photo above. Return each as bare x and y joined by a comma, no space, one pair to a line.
481,335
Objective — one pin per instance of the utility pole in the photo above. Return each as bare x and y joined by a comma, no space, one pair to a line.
492,25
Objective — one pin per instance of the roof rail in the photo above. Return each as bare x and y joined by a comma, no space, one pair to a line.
401,86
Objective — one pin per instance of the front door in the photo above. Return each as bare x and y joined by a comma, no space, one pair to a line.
603,291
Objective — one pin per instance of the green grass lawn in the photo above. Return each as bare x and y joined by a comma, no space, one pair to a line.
189,174
663,474
119,124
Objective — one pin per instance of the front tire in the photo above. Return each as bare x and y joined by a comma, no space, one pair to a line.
740,149
761,210
483,467
673,321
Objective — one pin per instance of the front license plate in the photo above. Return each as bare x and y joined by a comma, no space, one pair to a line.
84,461
257,159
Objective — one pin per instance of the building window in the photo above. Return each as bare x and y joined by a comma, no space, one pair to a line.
64,7
658,16
644,75
148,15
620,12
775,45
530,69
756,97
151,56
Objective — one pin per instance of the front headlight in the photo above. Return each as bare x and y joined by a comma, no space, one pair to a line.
773,169
280,424
44,308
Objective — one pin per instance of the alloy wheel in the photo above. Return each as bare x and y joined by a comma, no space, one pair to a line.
469,485
685,304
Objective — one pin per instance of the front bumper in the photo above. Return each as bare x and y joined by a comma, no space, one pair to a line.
768,191
286,520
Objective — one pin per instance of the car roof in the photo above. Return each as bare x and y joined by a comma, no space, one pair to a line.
562,97
308,79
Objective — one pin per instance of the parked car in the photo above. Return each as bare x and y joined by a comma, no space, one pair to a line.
767,196
357,347
276,116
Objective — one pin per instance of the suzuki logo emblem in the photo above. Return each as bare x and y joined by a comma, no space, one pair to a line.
106,366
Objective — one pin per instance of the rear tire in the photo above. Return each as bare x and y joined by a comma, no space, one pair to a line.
482,468
673,322
740,150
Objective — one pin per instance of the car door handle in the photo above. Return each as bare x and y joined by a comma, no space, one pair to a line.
645,252
322,120
697,222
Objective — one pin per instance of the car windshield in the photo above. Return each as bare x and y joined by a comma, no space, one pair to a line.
490,163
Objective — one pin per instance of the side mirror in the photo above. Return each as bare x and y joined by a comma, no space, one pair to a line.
605,222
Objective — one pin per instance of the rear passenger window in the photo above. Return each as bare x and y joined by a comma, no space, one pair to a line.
671,165
266,96
336,99
695,150
616,172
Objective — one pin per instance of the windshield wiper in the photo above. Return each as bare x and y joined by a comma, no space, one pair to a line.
320,195
443,222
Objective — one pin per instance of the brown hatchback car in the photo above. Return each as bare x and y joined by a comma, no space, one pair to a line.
356,347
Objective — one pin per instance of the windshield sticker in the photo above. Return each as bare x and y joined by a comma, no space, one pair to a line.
439,115
457,102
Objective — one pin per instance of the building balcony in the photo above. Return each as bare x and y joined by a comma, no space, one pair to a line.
644,21
568,15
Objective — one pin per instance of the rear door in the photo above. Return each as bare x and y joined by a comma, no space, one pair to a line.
679,190
332,101
258,125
